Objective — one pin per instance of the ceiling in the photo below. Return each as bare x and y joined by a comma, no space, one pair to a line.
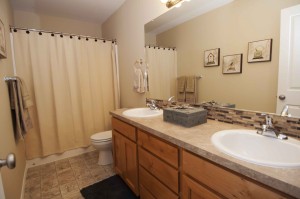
97,11
187,11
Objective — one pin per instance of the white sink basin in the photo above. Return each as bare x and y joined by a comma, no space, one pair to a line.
142,112
249,146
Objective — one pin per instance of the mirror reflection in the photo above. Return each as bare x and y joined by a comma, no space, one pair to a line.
230,28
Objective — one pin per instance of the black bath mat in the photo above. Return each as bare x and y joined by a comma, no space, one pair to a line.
110,188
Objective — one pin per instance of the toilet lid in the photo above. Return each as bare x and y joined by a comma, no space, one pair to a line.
101,136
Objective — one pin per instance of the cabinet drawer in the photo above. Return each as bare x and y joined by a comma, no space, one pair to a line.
160,148
162,171
227,183
124,128
145,194
194,190
158,190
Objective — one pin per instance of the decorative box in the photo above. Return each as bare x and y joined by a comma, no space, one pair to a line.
187,117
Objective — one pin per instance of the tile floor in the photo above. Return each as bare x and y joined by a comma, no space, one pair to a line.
63,179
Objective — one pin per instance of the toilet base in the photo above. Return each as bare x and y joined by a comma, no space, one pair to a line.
105,157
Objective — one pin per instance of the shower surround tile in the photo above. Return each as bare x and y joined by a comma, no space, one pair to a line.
63,179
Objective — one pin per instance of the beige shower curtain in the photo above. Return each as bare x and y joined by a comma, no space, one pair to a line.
72,82
162,72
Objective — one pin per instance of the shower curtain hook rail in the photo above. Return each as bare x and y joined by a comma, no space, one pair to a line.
153,46
60,33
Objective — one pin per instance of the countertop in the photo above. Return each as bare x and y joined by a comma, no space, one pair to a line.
197,140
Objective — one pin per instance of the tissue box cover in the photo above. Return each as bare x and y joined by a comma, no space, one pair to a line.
187,117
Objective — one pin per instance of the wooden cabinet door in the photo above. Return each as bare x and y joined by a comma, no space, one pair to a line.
118,152
193,190
125,160
131,171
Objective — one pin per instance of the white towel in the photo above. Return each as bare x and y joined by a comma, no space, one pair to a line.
138,83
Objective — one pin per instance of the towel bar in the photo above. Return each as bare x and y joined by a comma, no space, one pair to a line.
10,78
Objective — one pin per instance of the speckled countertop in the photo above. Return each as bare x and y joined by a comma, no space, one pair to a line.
197,140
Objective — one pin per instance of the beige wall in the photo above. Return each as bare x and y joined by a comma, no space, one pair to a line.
12,179
54,23
127,26
230,28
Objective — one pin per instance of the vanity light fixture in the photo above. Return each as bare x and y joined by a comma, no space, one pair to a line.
171,3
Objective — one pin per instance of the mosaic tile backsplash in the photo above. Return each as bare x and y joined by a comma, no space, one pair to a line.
287,125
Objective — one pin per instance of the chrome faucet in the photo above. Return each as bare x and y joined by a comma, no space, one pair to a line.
153,105
171,99
285,111
270,131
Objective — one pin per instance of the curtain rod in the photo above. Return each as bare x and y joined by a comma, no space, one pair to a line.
152,46
12,28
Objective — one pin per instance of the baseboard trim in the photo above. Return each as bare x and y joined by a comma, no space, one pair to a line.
23,182
55,157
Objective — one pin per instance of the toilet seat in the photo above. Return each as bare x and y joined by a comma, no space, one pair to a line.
102,136
99,141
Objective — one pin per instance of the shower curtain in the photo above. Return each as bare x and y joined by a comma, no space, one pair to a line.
73,82
162,71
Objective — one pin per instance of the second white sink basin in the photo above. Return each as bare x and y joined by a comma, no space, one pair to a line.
142,112
249,146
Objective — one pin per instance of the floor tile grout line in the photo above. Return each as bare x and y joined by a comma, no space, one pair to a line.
90,162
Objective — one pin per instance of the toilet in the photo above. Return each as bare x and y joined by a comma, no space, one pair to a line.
102,141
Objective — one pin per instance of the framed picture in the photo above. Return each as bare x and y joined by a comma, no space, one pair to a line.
260,51
212,57
2,41
232,64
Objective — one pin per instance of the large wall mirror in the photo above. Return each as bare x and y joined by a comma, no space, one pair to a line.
228,25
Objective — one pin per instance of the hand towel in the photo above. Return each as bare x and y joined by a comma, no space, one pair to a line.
20,101
139,83
181,82
190,98
191,90
27,102
190,84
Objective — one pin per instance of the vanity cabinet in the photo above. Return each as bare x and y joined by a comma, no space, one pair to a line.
155,169
204,179
158,167
125,153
